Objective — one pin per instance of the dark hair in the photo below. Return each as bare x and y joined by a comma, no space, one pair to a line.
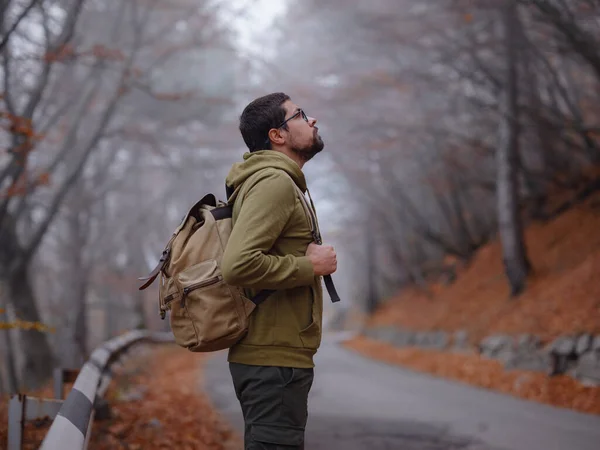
259,117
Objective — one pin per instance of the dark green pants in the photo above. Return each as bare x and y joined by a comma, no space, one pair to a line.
274,402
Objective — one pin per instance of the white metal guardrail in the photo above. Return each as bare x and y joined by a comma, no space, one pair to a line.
73,417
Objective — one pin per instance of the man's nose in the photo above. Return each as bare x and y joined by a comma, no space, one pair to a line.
312,121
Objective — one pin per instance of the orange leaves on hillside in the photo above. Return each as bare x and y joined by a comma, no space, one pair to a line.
468,17
562,296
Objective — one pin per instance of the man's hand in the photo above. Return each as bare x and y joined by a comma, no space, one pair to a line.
323,258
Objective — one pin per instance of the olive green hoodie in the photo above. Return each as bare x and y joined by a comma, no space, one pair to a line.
266,250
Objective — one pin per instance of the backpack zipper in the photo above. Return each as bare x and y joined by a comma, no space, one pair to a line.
193,287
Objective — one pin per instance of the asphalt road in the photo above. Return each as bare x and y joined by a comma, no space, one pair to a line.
360,404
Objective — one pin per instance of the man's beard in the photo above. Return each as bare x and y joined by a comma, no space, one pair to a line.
308,153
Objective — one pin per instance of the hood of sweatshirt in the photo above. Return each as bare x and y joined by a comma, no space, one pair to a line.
262,159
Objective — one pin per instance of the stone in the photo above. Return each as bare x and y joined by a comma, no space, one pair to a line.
559,363
529,360
492,346
563,346
403,338
432,340
461,340
527,343
584,343
421,339
440,340
505,354
590,358
596,344
588,369
385,333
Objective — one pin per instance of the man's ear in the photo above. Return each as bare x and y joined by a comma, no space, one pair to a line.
276,137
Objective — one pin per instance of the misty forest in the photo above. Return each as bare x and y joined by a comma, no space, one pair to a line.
447,124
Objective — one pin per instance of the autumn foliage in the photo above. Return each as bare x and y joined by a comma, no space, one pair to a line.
563,294
563,297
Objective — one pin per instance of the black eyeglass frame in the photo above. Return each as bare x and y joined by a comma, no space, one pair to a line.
293,116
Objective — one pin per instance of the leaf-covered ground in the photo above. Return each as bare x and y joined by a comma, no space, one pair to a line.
562,296
156,401
158,404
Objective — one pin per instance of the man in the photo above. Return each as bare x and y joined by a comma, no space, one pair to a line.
271,248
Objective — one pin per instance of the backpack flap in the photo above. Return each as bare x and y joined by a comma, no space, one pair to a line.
208,199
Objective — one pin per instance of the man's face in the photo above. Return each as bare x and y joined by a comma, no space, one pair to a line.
303,135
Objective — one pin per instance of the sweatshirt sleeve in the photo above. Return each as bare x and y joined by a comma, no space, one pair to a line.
265,210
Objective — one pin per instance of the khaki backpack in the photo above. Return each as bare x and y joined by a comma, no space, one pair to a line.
208,314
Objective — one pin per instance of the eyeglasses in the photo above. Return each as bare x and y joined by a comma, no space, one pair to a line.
293,116
304,116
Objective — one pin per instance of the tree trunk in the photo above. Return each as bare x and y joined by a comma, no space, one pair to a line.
371,301
11,370
509,219
38,358
109,316
80,330
34,344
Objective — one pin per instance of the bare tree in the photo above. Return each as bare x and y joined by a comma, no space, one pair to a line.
92,89
8,29
509,215
418,93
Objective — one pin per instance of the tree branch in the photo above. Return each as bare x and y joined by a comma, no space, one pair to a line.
7,34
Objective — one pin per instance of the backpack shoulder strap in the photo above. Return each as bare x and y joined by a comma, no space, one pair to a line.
314,229
316,233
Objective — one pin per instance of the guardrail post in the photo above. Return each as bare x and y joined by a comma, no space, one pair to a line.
16,421
88,435
58,377
85,402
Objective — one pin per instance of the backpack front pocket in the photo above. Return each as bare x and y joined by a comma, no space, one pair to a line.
199,285
209,313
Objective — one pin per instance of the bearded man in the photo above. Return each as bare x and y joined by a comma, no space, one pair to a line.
275,248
